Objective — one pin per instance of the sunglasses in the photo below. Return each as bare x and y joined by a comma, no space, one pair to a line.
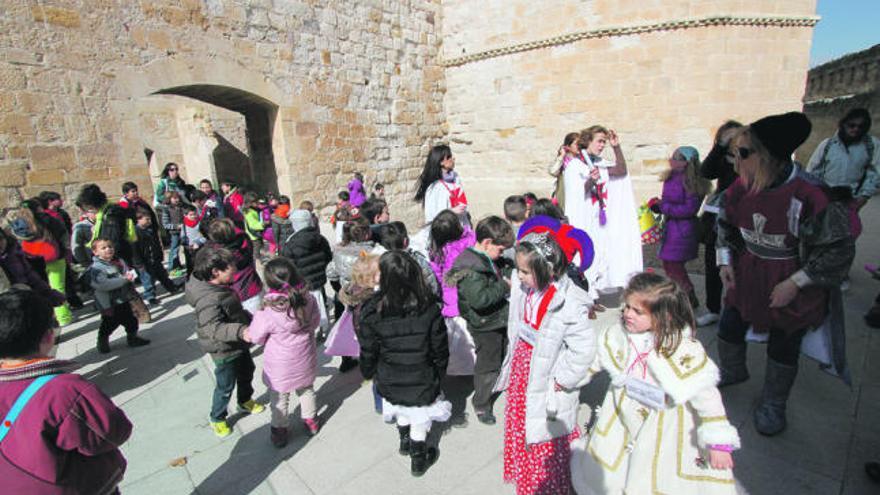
172,169
743,153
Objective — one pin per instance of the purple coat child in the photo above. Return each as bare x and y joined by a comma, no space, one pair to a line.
680,235
68,437
450,254
290,361
356,193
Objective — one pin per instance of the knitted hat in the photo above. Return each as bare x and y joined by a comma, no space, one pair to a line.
300,219
782,134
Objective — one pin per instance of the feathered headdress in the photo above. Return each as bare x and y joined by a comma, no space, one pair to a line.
571,240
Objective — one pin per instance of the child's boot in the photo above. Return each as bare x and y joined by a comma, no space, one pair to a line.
403,431
732,362
278,436
421,457
770,414
103,343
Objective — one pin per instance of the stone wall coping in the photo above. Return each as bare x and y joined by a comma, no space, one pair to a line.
639,28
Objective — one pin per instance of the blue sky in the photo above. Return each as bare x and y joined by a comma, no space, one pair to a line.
846,26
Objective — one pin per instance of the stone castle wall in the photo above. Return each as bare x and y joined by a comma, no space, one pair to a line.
836,87
661,73
324,88
304,93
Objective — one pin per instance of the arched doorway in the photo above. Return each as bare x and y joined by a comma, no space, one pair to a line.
241,152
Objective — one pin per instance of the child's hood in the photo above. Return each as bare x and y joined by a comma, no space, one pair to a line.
198,289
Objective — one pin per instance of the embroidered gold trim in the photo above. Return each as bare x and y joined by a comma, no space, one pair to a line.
610,353
681,473
627,30
616,464
687,374
710,419
657,453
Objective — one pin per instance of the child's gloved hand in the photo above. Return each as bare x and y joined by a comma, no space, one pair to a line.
654,205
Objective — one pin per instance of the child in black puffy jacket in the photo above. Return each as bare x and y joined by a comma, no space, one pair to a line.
401,327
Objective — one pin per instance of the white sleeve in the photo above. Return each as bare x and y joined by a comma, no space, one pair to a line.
436,200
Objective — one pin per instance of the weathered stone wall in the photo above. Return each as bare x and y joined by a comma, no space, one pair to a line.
329,87
659,86
836,87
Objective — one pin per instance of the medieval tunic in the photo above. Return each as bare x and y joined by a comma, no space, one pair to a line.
788,230
637,448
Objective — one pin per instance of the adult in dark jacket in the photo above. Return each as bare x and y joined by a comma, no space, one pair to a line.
404,346
718,164
308,250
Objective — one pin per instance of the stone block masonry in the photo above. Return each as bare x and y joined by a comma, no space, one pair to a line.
295,96
84,94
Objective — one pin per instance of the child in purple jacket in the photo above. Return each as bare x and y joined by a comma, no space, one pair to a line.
683,193
449,238
67,437
356,193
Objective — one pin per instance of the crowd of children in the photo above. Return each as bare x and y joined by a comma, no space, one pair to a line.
509,302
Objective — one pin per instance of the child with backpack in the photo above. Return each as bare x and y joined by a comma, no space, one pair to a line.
151,255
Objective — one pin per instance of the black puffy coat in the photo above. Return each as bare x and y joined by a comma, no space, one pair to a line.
311,254
407,355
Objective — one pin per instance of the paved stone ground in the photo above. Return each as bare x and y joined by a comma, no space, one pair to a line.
165,389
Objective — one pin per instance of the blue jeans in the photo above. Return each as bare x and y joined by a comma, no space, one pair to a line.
149,275
148,283
377,399
173,252
229,374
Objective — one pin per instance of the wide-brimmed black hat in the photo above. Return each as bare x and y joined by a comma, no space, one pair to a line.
782,134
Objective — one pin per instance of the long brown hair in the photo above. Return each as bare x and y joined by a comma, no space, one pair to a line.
670,309
281,277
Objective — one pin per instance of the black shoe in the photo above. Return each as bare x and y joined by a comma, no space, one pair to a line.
486,417
872,469
421,457
403,431
135,341
459,421
103,345
154,301
348,364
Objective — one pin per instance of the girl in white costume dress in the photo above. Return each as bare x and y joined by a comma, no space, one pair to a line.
662,427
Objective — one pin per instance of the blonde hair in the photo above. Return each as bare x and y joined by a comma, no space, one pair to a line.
364,270
768,168
668,305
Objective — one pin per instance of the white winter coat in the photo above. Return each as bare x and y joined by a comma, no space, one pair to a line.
564,349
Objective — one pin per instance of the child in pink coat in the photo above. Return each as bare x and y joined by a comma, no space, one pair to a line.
286,326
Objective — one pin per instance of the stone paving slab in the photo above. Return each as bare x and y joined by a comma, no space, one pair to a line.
165,388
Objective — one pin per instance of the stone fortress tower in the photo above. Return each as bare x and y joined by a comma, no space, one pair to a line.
294,96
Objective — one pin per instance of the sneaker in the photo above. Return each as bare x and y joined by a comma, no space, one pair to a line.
136,341
221,429
707,319
312,425
459,421
252,407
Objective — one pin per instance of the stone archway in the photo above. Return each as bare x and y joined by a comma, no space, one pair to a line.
162,104
209,153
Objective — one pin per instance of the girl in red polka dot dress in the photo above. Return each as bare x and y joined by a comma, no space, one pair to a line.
551,348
